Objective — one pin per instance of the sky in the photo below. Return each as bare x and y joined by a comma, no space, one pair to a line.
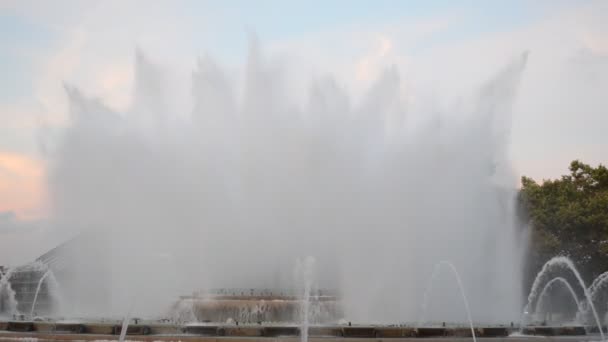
443,50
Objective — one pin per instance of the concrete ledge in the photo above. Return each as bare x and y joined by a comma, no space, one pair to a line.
572,331
20,326
430,332
164,329
493,332
394,332
285,332
203,330
325,331
44,326
278,331
593,329
242,331
100,329
74,328
133,329
19,336
554,331
359,332
460,332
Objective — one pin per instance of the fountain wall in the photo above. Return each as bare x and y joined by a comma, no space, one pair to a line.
257,306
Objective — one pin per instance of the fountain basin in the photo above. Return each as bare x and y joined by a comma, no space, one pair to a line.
241,331
393,332
554,331
100,328
460,332
76,328
278,331
44,326
164,329
132,329
232,332
493,332
594,329
203,330
323,331
360,332
20,326
430,332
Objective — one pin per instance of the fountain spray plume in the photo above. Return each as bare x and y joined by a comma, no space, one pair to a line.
305,273
465,301
548,286
598,283
53,289
8,302
251,169
561,262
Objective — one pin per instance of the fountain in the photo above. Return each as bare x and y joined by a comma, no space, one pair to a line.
598,283
355,181
123,327
561,261
125,323
8,303
51,285
305,295
305,269
550,283
278,305
465,301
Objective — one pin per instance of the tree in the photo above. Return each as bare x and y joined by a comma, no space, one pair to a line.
569,216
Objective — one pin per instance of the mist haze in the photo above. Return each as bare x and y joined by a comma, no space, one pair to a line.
231,194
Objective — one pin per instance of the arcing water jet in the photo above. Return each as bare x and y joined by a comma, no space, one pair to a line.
546,288
561,261
465,301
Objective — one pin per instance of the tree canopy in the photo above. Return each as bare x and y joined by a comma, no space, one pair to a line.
569,216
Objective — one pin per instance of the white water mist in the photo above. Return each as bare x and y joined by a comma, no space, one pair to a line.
231,193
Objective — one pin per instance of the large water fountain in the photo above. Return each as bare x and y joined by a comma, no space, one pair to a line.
227,191
310,307
230,192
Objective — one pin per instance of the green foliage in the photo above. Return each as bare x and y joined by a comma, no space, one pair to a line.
569,216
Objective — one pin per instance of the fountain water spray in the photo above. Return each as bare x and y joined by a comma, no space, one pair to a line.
305,271
125,323
427,292
52,288
274,175
8,302
568,264
563,281
597,284
123,327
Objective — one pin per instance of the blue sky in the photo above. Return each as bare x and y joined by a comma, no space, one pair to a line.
443,50
26,32
24,36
